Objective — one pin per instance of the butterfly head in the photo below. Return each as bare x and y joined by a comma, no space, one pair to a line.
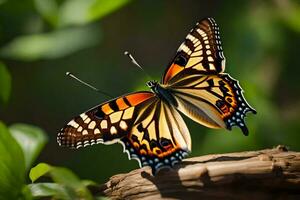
152,84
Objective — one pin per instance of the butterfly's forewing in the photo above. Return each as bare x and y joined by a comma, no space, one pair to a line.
203,92
200,53
106,123
150,131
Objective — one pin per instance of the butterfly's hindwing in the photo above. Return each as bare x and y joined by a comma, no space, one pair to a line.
215,101
240,108
159,139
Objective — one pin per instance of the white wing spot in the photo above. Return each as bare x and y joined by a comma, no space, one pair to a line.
79,129
202,33
210,59
92,125
191,37
113,130
97,131
197,44
208,52
85,132
123,125
87,120
103,124
185,48
73,124
83,116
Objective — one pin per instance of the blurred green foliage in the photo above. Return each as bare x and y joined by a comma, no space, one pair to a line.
12,165
42,39
51,45
59,18
19,147
5,83
71,186
31,139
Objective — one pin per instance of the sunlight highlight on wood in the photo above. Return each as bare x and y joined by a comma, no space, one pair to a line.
263,174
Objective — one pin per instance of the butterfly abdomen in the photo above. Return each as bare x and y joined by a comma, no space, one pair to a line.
162,92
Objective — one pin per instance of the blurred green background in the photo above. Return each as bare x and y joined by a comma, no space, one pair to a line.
42,39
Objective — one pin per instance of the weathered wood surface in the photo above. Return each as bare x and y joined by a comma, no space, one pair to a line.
265,174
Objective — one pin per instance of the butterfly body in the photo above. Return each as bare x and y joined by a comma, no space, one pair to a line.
162,92
149,124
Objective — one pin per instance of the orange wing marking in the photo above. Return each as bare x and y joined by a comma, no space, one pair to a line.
121,104
172,71
107,109
137,98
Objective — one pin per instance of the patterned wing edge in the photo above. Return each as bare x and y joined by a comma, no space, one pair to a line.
238,116
201,52
156,164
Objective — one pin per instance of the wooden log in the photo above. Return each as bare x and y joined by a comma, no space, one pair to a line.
264,174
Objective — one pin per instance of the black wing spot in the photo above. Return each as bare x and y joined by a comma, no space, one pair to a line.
113,105
220,104
223,88
134,138
190,44
165,142
153,144
140,127
210,82
99,114
229,99
205,65
180,60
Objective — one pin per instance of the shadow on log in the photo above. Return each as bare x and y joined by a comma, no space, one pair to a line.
265,174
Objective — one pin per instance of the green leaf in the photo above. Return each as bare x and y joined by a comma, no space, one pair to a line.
38,171
48,9
39,190
78,12
32,140
26,193
12,165
5,83
100,8
62,176
74,12
90,183
66,177
52,45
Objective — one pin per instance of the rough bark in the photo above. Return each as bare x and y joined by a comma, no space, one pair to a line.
265,174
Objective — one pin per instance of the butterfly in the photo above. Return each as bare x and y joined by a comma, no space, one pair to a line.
148,123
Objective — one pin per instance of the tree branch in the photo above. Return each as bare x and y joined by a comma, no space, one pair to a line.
265,174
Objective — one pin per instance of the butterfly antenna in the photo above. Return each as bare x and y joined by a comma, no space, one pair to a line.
136,63
88,85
